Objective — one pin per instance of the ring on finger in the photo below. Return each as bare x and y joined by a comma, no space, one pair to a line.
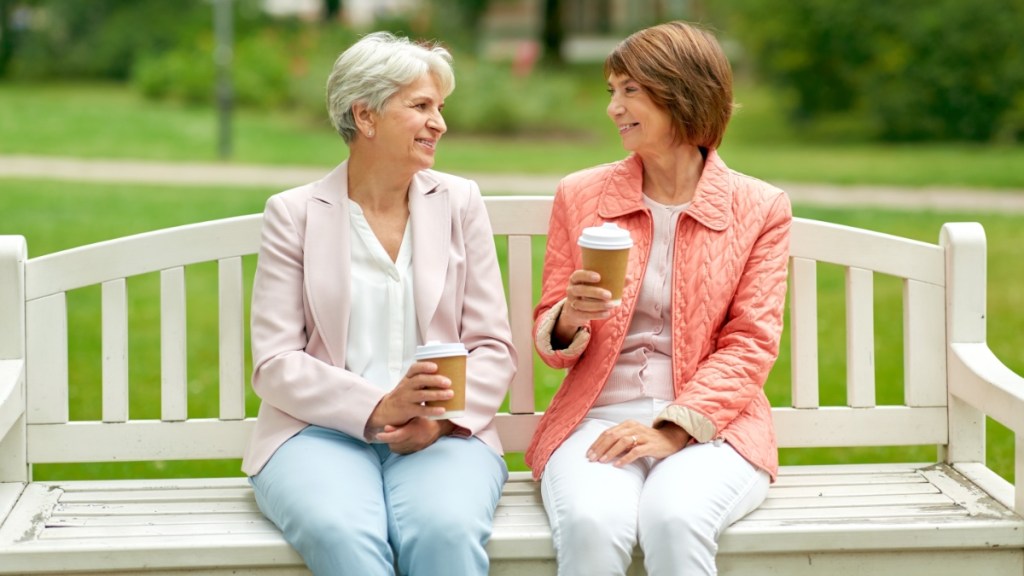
634,441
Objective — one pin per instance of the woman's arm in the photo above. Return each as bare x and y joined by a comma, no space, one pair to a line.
559,340
484,326
285,375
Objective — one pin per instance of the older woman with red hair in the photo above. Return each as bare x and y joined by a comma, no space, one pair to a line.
661,434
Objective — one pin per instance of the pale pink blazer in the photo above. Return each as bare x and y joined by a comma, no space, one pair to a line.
300,308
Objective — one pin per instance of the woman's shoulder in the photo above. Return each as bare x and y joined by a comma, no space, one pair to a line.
594,174
327,188
451,182
751,185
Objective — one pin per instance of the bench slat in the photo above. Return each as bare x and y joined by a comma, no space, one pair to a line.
520,273
253,524
232,339
196,439
141,253
115,351
860,248
803,301
47,359
880,563
865,501
173,352
860,338
836,426
64,520
924,330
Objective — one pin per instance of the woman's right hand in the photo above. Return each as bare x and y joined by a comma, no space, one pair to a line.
584,301
420,384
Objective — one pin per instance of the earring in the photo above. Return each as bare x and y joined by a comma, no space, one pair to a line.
370,133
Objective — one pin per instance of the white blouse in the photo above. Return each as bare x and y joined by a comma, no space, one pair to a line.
382,331
644,368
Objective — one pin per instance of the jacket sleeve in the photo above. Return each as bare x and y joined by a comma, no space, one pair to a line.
485,331
560,261
748,342
284,374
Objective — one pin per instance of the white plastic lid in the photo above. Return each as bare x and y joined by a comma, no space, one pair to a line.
435,349
607,236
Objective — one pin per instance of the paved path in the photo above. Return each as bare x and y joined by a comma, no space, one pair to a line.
190,173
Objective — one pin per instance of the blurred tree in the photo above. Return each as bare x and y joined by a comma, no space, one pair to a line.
332,8
6,36
552,31
100,38
459,22
912,69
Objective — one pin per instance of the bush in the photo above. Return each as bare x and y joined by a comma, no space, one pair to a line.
912,69
490,99
100,39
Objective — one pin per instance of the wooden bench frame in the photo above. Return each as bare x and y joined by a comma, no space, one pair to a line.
946,517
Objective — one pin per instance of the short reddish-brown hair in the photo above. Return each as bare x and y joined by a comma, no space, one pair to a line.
684,70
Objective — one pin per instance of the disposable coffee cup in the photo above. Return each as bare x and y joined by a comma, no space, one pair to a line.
606,251
450,358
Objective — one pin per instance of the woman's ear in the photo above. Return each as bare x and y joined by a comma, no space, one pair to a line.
366,119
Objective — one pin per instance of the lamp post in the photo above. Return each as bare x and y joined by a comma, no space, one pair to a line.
222,56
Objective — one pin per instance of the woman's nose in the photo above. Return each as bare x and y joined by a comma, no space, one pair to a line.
614,108
436,122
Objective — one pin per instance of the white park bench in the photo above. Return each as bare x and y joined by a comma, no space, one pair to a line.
949,516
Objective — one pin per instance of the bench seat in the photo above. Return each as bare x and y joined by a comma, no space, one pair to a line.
815,517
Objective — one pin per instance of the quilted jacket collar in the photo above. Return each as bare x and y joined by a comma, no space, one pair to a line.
623,192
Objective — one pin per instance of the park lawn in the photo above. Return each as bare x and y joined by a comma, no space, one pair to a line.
112,121
59,215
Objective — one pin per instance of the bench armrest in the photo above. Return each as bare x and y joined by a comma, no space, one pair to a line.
980,379
12,395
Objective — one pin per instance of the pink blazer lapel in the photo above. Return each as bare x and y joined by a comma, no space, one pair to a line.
431,236
327,261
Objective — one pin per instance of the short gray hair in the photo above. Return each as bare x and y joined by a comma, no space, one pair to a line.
376,67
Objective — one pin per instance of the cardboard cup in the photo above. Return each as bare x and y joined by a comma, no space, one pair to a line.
451,362
611,265
605,250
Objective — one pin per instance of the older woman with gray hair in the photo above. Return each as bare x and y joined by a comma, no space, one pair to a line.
355,271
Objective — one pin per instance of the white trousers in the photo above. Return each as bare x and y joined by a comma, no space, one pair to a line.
675,508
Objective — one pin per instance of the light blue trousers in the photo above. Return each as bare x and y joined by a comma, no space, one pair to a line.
349,507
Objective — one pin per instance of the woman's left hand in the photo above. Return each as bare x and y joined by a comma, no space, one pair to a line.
414,435
630,440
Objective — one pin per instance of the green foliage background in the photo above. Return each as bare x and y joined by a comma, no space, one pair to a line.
907,70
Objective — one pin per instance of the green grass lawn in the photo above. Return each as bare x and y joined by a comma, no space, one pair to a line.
59,215
110,121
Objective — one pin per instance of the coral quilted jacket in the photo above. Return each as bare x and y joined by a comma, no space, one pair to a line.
728,294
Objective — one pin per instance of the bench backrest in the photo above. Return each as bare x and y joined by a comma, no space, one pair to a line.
54,384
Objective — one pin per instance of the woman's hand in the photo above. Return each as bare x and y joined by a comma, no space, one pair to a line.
630,440
415,435
584,301
405,402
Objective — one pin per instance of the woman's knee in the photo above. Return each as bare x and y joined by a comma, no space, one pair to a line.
684,526
591,526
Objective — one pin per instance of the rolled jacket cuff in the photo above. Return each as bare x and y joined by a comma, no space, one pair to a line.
547,327
697,425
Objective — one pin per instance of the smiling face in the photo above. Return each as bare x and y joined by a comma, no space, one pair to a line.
411,125
643,126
